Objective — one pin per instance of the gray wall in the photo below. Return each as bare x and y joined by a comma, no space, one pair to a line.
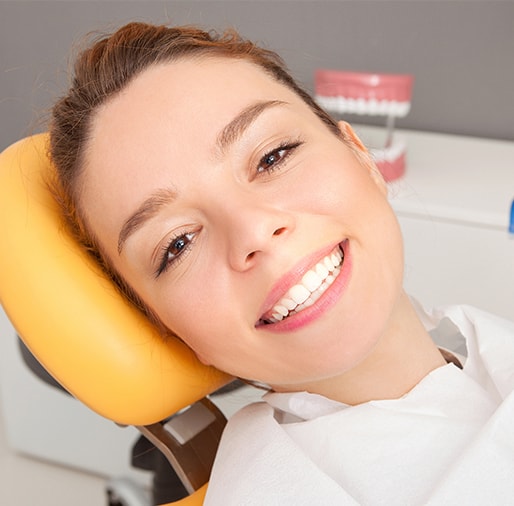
461,52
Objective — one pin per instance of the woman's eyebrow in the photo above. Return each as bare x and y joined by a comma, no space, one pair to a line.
237,126
147,210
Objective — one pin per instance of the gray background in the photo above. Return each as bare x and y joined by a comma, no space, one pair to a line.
460,52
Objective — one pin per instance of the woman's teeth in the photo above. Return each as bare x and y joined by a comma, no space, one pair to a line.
309,289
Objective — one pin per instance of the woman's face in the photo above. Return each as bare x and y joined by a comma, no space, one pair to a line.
222,199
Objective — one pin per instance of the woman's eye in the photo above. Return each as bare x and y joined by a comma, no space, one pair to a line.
173,250
272,160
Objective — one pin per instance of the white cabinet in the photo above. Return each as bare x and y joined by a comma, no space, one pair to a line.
453,204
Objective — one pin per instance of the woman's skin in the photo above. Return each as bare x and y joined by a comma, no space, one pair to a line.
213,189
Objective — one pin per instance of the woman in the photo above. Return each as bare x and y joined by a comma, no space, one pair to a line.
242,219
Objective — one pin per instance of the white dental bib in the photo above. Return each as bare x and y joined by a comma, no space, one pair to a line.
448,441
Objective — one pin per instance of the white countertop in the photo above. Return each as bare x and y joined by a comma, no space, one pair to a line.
454,178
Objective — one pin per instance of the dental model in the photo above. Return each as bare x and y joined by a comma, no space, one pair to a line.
373,95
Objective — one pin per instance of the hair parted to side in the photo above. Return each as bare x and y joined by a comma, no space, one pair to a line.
106,68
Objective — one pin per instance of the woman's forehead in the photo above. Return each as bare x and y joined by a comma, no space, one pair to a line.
187,82
186,101
190,94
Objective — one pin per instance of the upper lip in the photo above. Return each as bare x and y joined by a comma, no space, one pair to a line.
292,277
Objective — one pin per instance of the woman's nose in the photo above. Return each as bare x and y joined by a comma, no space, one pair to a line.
254,232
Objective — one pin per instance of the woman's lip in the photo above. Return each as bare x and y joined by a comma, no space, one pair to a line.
325,302
293,276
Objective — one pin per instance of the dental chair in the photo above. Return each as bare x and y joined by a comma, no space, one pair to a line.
95,344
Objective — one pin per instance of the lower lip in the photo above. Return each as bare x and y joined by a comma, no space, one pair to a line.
322,305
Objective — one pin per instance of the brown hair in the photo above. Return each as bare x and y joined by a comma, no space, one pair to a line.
106,68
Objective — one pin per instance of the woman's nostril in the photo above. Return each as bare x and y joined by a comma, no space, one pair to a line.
251,256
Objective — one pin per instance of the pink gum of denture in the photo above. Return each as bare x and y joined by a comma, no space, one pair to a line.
372,88
374,95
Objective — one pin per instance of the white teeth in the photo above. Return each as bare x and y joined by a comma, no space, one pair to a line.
311,281
281,310
288,303
299,293
333,276
362,106
321,289
328,263
312,285
321,271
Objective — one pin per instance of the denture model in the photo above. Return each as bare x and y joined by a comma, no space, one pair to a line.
373,95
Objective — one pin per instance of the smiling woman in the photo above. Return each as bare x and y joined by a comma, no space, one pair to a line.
241,218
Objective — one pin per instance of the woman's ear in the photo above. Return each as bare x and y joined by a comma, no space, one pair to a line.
349,133
363,154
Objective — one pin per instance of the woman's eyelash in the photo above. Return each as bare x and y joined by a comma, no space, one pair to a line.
173,250
274,159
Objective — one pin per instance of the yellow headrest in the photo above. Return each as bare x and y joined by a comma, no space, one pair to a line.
72,318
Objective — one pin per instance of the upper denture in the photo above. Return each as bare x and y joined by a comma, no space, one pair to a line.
364,93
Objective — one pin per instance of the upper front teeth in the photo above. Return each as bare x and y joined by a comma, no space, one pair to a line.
310,284
372,107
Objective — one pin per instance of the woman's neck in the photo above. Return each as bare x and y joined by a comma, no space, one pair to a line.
402,358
